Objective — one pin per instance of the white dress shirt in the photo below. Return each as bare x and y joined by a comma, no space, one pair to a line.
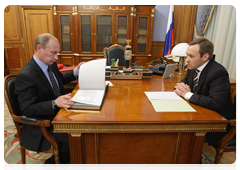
188,95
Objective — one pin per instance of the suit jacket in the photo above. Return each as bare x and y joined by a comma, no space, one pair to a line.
35,96
213,93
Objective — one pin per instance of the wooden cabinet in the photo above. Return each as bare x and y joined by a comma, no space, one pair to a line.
65,29
102,26
142,37
84,31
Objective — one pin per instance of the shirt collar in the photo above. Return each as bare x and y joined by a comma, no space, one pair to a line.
202,66
41,64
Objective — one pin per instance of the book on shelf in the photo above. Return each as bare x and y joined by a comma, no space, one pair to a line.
122,20
92,86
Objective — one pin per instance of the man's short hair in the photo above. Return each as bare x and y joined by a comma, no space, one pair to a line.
43,40
206,46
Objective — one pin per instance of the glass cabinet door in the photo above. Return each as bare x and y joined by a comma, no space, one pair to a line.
86,33
122,28
142,34
104,32
65,32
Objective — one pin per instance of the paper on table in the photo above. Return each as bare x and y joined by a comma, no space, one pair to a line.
168,102
109,83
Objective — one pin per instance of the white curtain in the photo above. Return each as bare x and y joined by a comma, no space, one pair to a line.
222,32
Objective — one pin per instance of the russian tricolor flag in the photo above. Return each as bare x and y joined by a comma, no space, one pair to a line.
169,33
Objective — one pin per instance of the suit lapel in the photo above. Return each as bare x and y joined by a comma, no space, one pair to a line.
203,75
41,75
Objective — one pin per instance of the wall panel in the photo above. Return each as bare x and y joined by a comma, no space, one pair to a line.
37,22
157,49
12,29
14,57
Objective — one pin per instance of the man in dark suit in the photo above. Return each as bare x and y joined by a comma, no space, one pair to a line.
37,98
207,83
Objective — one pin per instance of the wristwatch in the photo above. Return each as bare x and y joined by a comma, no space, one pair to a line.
54,104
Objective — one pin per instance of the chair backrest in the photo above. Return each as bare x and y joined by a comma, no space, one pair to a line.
235,102
115,51
10,96
235,99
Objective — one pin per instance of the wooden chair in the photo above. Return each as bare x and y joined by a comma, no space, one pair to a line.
228,142
115,51
18,119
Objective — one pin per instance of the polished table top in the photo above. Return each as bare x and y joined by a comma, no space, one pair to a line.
126,103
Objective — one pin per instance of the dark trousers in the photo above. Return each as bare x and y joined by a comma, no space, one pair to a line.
63,143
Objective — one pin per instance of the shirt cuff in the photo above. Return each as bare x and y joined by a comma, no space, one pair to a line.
76,72
188,95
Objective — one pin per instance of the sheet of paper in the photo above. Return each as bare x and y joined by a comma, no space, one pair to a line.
168,102
171,106
109,83
163,96
90,97
92,75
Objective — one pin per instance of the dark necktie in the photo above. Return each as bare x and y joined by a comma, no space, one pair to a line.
54,84
195,81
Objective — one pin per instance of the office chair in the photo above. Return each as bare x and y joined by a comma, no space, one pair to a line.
18,119
115,51
228,142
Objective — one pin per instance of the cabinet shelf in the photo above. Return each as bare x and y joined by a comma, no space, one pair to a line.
103,43
104,24
104,33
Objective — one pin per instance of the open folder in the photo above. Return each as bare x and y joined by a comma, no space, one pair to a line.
92,86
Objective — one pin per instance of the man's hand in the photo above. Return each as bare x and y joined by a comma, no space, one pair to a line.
181,89
79,65
64,101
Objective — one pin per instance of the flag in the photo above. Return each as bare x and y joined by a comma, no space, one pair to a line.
169,33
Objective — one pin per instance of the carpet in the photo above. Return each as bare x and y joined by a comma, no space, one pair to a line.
12,154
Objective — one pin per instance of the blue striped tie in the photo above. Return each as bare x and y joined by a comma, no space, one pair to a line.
54,84
195,81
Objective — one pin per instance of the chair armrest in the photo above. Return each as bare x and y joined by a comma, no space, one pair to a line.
231,133
29,119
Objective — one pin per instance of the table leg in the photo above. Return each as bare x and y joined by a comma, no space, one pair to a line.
196,147
75,147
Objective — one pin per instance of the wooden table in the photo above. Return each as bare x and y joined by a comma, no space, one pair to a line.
128,130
